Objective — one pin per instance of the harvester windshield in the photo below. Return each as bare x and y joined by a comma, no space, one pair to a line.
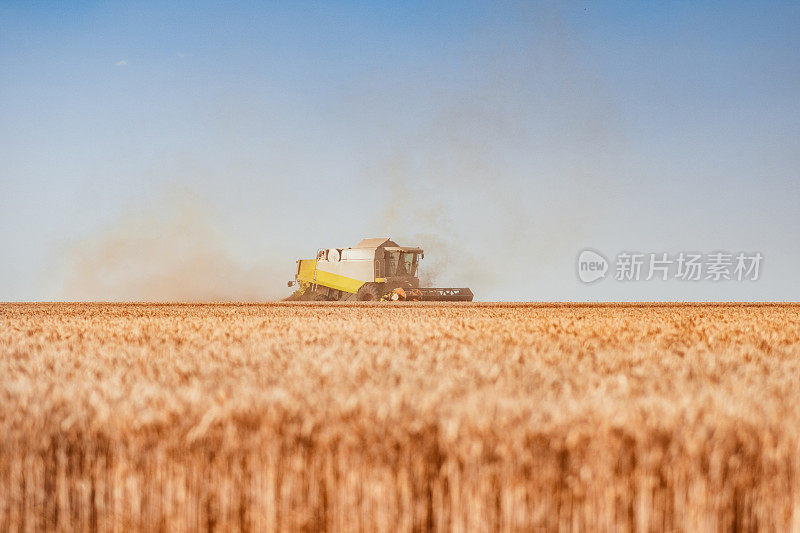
401,263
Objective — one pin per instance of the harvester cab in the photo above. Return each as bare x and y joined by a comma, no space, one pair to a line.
374,269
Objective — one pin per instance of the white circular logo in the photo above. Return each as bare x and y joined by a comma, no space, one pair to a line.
592,266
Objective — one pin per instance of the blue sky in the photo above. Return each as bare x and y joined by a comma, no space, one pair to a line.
195,150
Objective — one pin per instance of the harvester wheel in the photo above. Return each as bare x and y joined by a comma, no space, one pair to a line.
368,292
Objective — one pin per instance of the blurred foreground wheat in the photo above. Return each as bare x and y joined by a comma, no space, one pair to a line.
399,418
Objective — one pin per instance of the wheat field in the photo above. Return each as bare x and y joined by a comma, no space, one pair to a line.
409,417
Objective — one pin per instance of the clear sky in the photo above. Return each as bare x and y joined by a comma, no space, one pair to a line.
193,150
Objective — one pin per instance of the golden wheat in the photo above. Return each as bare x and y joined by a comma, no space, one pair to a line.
399,417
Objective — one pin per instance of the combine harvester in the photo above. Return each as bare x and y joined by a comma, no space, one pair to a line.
374,269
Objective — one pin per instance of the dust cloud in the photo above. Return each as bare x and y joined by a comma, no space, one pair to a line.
167,252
